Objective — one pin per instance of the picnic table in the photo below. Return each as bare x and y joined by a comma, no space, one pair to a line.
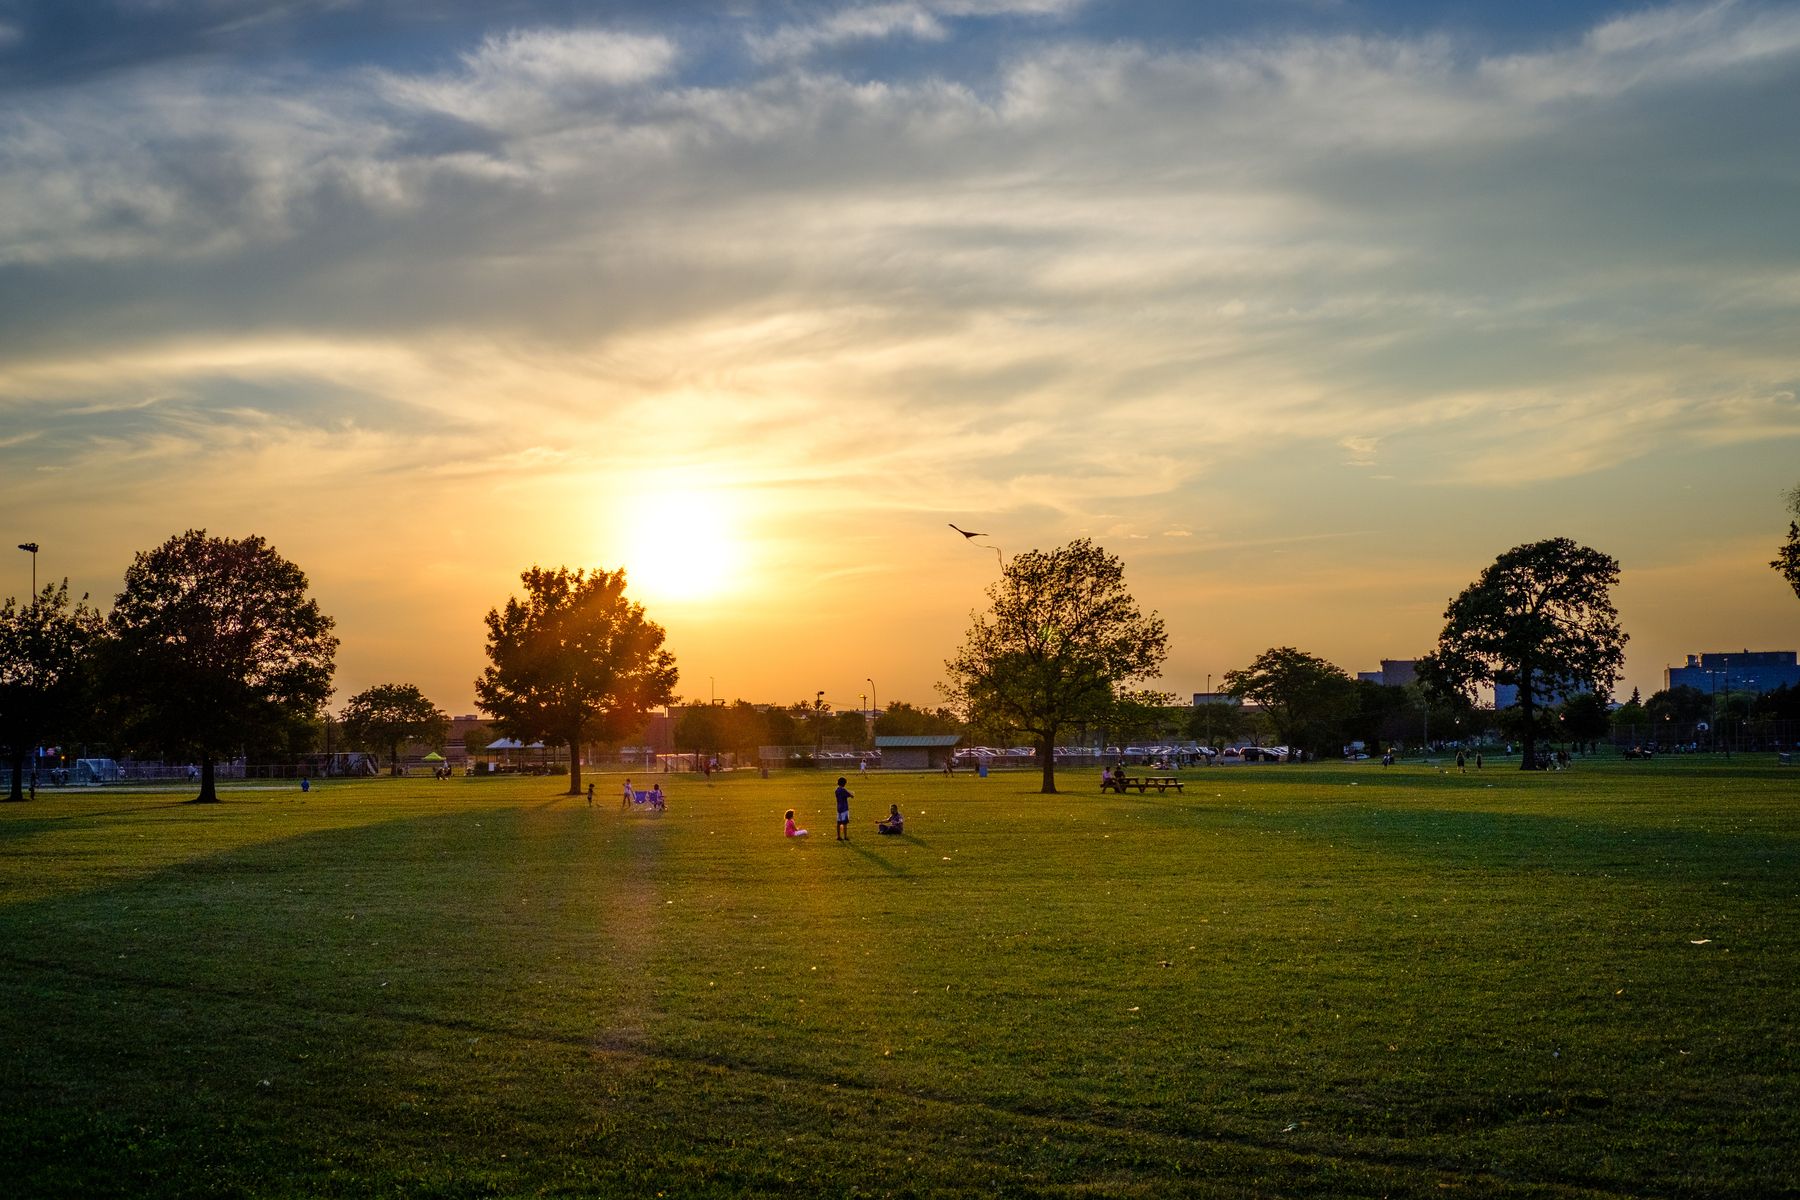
1143,783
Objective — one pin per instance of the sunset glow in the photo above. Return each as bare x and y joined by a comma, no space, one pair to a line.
1305,311
681,547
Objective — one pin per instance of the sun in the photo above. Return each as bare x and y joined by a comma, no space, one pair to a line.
680,546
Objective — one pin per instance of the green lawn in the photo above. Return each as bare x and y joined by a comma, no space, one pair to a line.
1330,981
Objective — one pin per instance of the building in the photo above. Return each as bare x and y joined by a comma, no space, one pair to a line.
1395,672
1215,698
1506,695
917,752
1743,671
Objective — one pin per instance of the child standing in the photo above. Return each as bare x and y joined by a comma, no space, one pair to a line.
843,799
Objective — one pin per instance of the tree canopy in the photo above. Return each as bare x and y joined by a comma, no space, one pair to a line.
1787,558
1061,637
1305,698
44,646
573,661
1583,718
216,647
1541,618
901,719
389,714
1680,706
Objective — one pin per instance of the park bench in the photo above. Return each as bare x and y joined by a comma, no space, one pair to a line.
1142,783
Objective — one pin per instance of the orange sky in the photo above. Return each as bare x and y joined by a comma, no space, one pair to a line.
1306,323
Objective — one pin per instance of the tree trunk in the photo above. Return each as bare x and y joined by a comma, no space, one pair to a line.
1047,756
209,794
16,793
1530,735
574,765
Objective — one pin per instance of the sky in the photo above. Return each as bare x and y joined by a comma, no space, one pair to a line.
1305,309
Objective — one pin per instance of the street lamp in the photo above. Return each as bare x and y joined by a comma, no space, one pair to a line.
874,700
31,548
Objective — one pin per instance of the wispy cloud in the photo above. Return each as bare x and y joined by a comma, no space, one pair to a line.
921,20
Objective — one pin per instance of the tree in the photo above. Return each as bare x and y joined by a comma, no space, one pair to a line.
384,716
1305,698
215,646
1584,719
901,719
1540,618
573,661
44,653
1787,558
1682,705
1216,722
700,729
1060,638
1144,713
1630,718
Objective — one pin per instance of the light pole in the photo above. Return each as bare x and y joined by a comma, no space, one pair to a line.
31,548
818,725
1209,704
874,700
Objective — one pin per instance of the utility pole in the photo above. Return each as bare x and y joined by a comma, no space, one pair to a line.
31,548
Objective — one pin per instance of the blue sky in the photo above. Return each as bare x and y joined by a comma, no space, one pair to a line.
1306,309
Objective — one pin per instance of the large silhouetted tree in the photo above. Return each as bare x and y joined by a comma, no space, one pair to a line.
44,648
1059,641
1540,618
384,716
573,661
215,646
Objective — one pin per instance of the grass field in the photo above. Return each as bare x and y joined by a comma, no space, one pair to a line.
1332,981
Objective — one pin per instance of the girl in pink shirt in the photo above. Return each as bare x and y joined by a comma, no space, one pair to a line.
791,831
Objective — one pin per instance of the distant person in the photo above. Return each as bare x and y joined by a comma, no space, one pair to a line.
843,807
1462,764
626,803
656,797
895,823
590,793
305,784
791,831
1478,760
862,766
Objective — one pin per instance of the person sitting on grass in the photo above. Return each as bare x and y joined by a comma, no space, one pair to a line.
895,823
791,830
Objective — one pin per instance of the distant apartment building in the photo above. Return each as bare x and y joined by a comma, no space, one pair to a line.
1395,672
1742,671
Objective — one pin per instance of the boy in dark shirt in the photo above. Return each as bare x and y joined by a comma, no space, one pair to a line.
843,801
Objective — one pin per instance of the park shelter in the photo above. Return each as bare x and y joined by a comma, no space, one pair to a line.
916,752
513,752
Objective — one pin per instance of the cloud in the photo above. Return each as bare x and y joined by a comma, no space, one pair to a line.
1337,244
526,78
920,20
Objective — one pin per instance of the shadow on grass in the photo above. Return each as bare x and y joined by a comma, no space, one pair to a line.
1489,839
191,1006
879,860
